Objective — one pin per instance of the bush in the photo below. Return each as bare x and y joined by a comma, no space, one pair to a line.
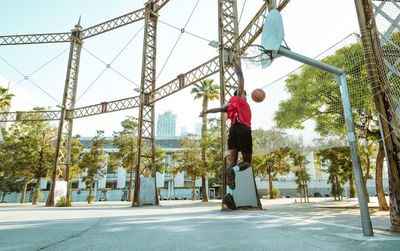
64,202
275,193
90,198
32,195
317,194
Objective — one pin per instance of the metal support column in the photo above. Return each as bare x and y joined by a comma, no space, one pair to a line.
340,77
64,136
228,31
145,146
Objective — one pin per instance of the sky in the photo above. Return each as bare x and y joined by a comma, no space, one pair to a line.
310,26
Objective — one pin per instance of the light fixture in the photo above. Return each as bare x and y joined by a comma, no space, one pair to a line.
215,44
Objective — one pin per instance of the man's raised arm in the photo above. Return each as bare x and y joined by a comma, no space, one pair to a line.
239,73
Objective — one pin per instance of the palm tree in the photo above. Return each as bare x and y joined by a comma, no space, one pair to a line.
208,91
5,98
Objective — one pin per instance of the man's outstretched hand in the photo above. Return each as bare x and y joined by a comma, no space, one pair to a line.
202,114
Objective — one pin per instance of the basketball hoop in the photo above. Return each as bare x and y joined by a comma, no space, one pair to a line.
271,40
255,55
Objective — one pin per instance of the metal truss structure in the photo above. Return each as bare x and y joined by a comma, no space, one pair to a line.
228,35
64,136
146,149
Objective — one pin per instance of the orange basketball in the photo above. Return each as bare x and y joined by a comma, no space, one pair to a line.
258,95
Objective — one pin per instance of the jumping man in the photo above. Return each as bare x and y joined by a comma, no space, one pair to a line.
239,139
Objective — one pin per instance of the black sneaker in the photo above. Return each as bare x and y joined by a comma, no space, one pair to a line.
229,201
230,174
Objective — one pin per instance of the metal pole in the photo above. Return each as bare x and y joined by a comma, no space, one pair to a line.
340,77
309,61
355,157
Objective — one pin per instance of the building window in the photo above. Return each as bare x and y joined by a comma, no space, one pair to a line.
111,184
75,185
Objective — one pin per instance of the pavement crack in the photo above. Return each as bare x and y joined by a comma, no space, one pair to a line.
72,236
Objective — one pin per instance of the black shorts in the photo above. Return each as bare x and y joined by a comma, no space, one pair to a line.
240,138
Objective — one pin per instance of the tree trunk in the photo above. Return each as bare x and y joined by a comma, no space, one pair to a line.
204,187
352,190
37,191
130,185
308,200
194,188
300,192
383,206
383,99
366,176
69,190
271,187
90,193
203,151
24,191
337,189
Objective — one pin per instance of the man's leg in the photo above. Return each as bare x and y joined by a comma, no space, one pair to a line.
230,173
233,154
246,161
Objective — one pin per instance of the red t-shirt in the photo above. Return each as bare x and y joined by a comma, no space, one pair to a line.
240,109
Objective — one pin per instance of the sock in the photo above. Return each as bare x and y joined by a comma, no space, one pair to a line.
236,169
229,190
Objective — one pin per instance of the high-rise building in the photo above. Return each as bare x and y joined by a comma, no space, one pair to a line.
197,129
166,124
184,132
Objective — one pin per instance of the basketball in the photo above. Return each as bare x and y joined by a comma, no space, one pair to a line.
258,95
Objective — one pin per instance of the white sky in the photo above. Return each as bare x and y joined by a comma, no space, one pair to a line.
311,27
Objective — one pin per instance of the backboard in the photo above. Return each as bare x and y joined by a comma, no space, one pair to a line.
272,35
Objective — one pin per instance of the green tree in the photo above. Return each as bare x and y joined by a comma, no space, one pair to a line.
39,139
207,91
367,149
272,164
159,159
5,98
339,167
126,142
188,160
212,142
75,158
7,186
302,176
93,162
15,156
315,95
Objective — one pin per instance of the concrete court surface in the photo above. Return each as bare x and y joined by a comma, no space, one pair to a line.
186,225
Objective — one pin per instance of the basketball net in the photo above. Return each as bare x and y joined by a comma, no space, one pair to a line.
255,55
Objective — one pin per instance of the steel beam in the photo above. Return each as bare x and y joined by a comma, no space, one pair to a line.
186,79
114,23
64,136
36,38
